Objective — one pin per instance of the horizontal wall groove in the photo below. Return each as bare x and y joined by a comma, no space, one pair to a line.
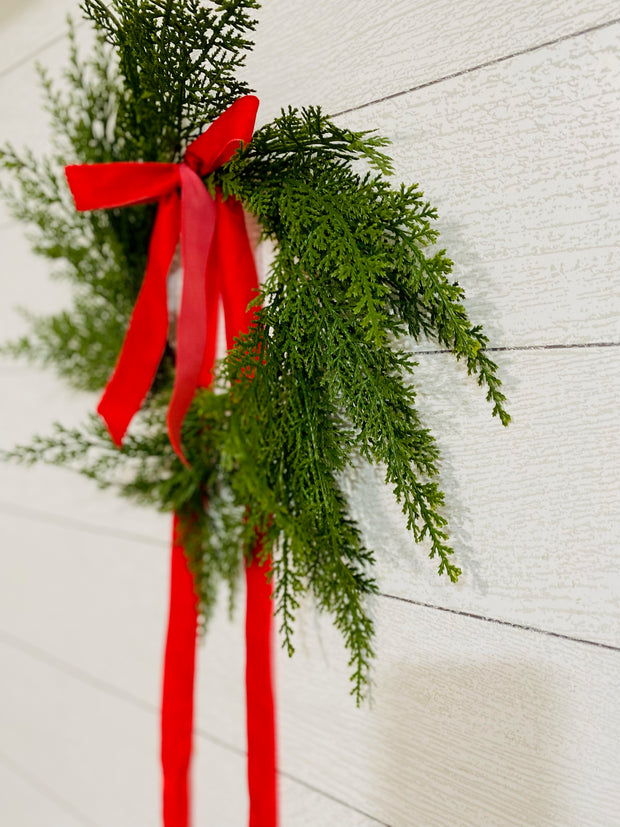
526,348
485,65
42,656
45,790
333,798
523,627
34,515
68,522
32,55
52,41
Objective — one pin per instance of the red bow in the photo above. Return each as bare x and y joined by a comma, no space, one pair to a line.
216,257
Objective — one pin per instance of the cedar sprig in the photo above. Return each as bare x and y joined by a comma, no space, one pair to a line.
178,62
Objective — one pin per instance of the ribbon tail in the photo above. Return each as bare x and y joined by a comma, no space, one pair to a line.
239,281
177,707
146,336
198,217
216,266
261,725
231,274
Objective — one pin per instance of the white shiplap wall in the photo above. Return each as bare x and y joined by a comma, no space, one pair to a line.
495,701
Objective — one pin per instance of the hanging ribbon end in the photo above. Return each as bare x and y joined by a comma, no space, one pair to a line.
116,429
174,434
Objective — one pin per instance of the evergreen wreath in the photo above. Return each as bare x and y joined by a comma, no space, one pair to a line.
355,274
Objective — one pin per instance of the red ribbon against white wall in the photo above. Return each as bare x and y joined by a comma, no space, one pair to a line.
218,263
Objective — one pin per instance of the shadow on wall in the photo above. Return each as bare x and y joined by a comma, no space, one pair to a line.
472,745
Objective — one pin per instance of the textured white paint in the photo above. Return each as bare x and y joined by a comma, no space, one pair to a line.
344,54
72,579
534,509
526,526
522,160
503,718
473,724
26,284
55,492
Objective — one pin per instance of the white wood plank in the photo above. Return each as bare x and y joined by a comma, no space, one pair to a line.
99,606
534,509
348,53
301,807
524,724
92,749
43,399
522,159
344,54
506,719
95,602
25,281
24,122
34,398
511,712
32,401
26,26
98,752
219,785
469,726
471,723
25,803
527,741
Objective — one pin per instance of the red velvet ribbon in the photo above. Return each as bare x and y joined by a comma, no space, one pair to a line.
217,262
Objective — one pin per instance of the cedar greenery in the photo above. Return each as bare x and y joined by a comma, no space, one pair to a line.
321,378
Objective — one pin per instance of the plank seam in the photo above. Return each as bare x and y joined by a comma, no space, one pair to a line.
38,654
559,346
68,522
35,515
485,65
334,798
499,622
525,348
46,791
35,52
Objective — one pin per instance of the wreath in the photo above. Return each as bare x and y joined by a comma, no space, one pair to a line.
248,452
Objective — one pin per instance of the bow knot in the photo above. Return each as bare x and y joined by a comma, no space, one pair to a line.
217,261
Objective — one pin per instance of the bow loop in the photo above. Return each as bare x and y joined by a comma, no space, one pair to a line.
102,186
216,146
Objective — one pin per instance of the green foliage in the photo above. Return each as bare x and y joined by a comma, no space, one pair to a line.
178,64
322,377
